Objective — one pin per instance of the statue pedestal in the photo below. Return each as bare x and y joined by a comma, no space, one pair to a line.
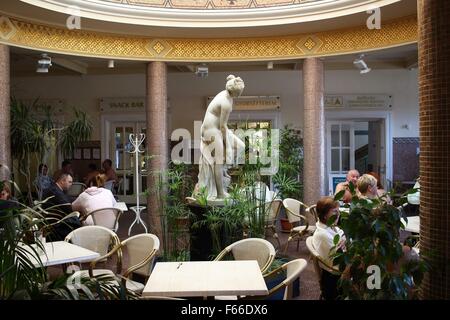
201,247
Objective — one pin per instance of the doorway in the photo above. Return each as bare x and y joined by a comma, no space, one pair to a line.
355,144
124,162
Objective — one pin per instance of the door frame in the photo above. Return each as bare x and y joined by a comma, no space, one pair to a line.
367,115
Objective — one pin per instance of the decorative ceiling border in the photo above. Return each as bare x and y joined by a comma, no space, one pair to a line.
19,33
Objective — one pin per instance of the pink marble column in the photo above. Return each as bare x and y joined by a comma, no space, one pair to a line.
5,121
313,131
157,142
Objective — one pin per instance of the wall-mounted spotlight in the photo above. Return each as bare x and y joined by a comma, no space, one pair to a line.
110,64
269,65
361,65
44,63
202,71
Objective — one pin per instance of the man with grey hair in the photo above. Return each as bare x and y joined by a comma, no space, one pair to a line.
352,177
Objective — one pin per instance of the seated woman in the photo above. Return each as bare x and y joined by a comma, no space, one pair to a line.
93,198
323,242
367,187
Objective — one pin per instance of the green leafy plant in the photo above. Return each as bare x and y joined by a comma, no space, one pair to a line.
288,179
172,187
22,273
372,229
36,137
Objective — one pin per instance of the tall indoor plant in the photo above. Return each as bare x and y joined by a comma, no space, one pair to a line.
372,229
35,137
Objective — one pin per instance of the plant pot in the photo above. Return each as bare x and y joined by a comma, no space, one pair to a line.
286,226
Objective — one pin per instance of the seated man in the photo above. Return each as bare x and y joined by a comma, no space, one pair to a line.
59,205
110,174
66,167
352,177
323,241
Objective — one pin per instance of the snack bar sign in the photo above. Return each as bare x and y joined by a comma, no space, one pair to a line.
113,105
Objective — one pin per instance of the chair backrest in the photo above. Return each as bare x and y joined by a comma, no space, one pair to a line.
141,250
106,217
251,249
319,263
95,238
312,213
76,189
294,209
273,208
293,269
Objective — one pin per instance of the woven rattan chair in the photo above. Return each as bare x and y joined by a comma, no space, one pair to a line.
319,263
294,210
105,217
292,269
251,249
76,189
273,208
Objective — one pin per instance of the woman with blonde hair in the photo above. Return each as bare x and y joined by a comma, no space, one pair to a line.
93,198
367,186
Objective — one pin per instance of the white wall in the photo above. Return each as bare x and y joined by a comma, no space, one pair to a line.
402,84
187,93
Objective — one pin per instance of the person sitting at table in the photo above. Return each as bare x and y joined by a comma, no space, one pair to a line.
89,179
323,241
57,202
93,198
352,177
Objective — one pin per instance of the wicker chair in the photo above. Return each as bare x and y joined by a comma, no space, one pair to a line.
76,189
294,208
273,208
292,269
251,249
140,249
319,263
105,217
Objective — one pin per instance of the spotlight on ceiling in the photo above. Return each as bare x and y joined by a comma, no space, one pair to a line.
361,65
201,71
44,63
110,64
269,65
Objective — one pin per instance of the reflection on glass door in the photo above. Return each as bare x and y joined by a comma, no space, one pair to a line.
123,160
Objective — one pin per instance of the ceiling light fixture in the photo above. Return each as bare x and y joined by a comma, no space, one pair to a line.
44,63
361,65
202,71
110,64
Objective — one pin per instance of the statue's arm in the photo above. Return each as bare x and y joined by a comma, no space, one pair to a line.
224,115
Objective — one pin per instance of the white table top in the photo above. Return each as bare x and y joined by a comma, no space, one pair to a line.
413,224
60,252
205,278
121,206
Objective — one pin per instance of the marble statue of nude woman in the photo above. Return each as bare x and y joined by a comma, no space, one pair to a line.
219,146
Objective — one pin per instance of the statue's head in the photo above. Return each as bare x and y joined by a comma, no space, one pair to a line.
235,85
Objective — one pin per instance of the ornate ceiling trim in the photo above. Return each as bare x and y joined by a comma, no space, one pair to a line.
209,13
93,44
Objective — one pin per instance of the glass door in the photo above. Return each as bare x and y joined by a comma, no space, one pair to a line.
123,160
340,148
